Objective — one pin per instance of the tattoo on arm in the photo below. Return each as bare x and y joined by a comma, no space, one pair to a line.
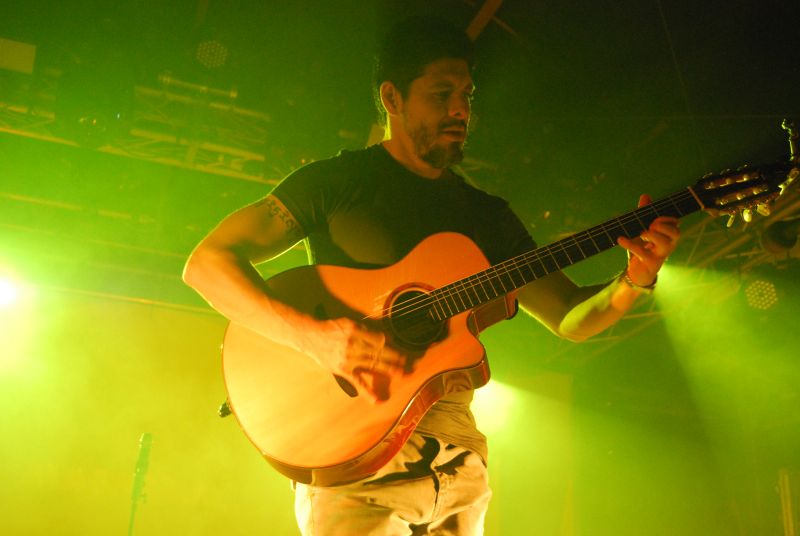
293,230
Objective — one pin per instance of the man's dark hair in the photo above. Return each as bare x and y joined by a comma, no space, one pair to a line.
410,46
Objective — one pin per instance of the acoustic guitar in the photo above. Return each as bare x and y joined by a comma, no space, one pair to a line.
314,428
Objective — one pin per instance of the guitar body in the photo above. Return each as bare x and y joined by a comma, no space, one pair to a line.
301,418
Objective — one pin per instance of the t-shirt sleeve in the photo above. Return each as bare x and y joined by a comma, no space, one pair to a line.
519,239
502,235
309,193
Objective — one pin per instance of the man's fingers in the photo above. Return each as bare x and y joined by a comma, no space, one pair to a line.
636,247
364,380
392,358
369,363
372,353
370,339
666,227
374,385
658,242
384,360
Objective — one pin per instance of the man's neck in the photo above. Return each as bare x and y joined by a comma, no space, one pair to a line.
406,157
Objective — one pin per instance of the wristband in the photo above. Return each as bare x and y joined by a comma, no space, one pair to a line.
646,289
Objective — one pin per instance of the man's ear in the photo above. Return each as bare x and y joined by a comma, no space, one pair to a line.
391,98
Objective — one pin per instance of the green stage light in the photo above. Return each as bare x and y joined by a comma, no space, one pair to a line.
761,294
212,54
734,348
769,287
681,288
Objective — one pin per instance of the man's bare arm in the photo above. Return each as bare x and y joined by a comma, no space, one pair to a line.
577,313
221,269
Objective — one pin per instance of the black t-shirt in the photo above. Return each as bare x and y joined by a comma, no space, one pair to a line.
363,209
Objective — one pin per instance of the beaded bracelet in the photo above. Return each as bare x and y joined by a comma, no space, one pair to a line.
644,289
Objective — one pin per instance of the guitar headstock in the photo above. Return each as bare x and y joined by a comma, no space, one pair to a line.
745,190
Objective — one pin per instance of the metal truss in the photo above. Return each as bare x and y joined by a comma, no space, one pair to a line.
198,129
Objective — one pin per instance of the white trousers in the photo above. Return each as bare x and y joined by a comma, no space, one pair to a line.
429,487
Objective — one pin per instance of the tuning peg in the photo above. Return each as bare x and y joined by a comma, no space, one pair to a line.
731,219
747,215
764,209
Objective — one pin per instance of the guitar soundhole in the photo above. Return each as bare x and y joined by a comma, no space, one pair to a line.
411,320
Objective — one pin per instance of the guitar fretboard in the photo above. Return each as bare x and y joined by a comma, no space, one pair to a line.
500,279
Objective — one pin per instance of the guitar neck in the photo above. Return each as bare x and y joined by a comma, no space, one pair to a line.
500,279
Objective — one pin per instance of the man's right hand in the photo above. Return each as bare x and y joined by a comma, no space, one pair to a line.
357,354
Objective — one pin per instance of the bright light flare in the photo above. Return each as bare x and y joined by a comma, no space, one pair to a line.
17,321
9,292
493,405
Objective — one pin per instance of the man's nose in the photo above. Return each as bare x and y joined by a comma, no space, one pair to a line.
459,107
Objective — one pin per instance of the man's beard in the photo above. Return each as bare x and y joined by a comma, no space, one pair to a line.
439,155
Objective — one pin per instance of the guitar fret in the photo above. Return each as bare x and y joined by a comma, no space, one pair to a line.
463,297
630,228
451,304
689,203
437,305
678,211
483,288
521,277
554,266
438,310
527,271
636,215
572,250
544,271
504,278
466,287
577,246
589,245
497,278
491,278
611,241
458,294
474,298
562,257
566,254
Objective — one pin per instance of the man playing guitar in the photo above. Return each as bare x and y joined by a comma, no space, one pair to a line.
368,209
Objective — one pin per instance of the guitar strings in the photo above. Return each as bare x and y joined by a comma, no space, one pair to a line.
439,296
457,288
467,291
494,273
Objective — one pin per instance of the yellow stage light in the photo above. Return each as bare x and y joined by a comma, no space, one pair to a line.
9,292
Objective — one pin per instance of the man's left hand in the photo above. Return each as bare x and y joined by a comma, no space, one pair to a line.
647,253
